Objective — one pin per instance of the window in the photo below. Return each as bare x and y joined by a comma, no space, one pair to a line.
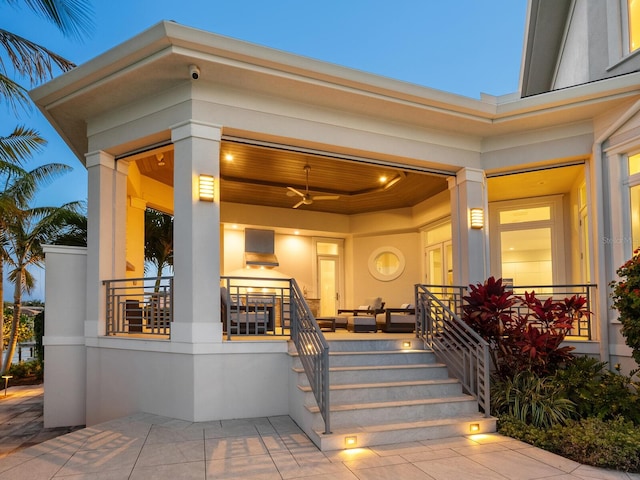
635,215
633,10
634,163
527,241
634,194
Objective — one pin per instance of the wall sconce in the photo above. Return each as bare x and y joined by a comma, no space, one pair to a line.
350,442
477,218
207,184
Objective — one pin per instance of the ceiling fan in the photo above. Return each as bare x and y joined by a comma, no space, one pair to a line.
307,198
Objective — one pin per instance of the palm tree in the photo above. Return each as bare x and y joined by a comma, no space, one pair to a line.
14,149
27,230
73,232
28,59
158,241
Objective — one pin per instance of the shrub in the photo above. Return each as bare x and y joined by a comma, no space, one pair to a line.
531,399
598,392
521,341
601,443
26,369
626,299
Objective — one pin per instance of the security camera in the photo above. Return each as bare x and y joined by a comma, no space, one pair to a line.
194,71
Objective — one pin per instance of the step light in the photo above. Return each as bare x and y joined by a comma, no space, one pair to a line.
351,441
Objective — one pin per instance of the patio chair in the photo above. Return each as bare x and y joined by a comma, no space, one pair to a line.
245,319
398,320
363,318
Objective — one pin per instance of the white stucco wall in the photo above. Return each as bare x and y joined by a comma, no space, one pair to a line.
573,65
230,380
64,343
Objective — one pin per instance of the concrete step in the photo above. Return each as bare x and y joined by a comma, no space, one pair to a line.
375,413
387,391
384,357
390,357
399,432
401,342
382,373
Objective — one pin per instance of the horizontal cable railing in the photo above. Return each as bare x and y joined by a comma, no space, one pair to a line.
140,306
313,351
255,306
465,353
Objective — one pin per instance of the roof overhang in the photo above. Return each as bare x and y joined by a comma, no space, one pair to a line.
158,59
544,34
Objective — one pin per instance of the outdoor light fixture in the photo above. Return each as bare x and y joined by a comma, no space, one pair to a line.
406,344
351,441
474,427
477,218
6,383
207,185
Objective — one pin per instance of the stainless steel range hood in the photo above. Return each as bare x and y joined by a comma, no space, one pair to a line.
259,248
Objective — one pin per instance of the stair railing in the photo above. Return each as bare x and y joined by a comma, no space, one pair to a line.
454,343
313,351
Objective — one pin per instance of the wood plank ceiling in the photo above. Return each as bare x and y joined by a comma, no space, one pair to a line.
260,175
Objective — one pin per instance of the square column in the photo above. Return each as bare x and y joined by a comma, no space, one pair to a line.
468,191
196,258
106,233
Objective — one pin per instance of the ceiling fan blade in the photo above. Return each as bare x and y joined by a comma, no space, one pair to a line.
326,197
295,191
301,202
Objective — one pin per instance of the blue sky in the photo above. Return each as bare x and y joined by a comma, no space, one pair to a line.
464,46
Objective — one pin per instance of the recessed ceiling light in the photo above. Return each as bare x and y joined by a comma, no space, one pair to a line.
383,178
228,157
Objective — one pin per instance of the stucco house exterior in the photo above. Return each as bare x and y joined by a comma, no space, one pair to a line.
554,168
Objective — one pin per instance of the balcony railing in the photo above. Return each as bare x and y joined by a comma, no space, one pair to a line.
452,297
139,306
255,306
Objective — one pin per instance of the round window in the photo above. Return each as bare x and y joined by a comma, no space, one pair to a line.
386,263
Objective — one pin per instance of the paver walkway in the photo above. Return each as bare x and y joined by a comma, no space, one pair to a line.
145,446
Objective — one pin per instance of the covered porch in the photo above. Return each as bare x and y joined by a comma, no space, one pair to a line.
367,184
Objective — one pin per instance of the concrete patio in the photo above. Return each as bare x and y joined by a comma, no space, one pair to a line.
146,446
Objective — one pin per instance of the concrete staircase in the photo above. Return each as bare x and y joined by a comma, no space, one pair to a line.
383,393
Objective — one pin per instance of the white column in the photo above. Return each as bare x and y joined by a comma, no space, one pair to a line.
470,246
196,255
106,231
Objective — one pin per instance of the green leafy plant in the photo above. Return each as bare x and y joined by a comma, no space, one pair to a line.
26,369
626,299
535,400
599,392
613,444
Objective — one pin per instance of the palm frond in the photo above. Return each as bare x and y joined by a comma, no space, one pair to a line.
21,188
30,59
22,143
12,92
71,17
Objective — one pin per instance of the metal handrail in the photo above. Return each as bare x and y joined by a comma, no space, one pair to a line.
465,353
453,297
255,306
313,350
582,325
140,306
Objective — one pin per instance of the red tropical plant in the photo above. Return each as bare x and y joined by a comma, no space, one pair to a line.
524,332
